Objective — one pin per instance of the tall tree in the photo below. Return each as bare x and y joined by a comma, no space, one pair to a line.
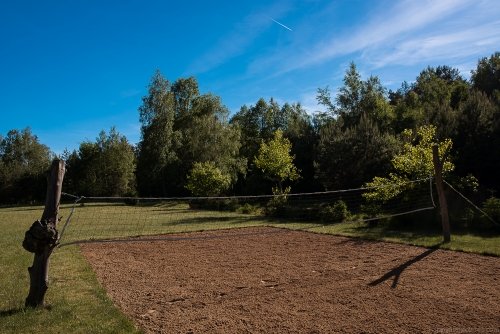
300,131
349,157
358,97
438,93
259,122
180,127
478,139
23,163
104,167
158,138
486,76
209,137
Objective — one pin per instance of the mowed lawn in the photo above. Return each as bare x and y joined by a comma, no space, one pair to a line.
77,303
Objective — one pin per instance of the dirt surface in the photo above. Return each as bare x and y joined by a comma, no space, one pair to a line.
268,280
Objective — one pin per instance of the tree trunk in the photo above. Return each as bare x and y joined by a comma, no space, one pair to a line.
443,205
42,237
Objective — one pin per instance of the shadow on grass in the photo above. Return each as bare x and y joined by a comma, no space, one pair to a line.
397,271
20,208
226,219
11,312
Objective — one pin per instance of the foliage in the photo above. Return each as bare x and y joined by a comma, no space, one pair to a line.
275,160
416,158
158,138
258,123
348,158
356,98
23,163
492,207
348,144
277,205
180,126
414,162
248,208
335,213
478,139
486,77
208,137
102,168
205,179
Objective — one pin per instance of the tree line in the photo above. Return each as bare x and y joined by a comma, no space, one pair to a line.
191,145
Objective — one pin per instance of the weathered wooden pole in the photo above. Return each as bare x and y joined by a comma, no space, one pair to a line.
438,171
42,237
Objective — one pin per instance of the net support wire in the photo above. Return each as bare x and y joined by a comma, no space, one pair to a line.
188,198
470,202
77,199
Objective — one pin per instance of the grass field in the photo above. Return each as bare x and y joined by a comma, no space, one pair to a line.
78,304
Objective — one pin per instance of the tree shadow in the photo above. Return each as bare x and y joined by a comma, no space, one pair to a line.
397,271
11,312
207,220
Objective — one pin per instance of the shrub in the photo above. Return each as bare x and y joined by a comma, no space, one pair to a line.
206,179
492,207
277,205
335,213
248,208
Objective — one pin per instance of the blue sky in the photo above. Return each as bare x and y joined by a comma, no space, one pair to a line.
69,69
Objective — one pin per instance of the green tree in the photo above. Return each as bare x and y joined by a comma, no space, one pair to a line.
258,123
276,162
349,157
180,127
303,137
434,98
414,162
206,179
206,135
356,98
23,163
486,76
159,141
478,139
102,168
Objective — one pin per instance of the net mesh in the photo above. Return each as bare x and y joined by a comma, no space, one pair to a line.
99,218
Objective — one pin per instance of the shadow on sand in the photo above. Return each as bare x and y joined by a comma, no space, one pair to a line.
397,271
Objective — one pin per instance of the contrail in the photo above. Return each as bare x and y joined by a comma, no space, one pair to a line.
281,24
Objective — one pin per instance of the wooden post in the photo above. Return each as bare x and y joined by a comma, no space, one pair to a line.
42,236
438,171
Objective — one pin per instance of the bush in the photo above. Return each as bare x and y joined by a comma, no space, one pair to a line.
277,205
492,207
206,179
248,208
335,213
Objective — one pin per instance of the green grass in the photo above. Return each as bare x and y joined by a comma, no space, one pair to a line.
460,241
78,304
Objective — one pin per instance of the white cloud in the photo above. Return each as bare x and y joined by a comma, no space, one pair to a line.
410,32
445,46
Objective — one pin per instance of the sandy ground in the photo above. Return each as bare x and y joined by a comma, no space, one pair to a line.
268,280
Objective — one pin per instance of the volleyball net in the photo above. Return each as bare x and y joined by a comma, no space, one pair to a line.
108,218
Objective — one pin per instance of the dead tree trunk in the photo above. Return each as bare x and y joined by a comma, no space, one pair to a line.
443,205
42,237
